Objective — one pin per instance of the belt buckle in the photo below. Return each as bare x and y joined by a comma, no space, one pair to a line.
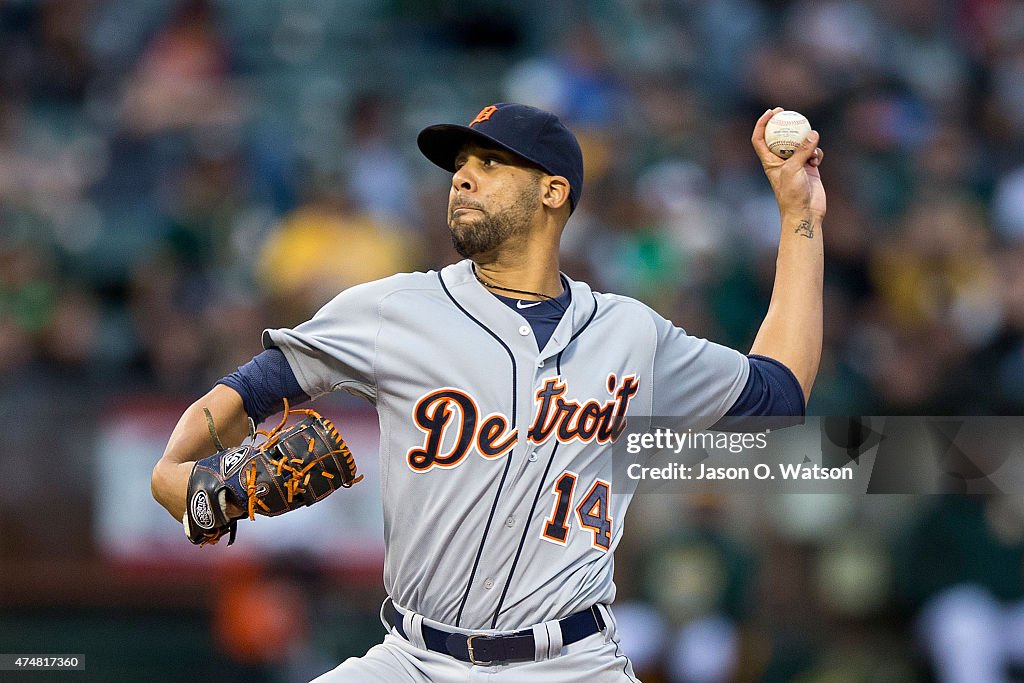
472,656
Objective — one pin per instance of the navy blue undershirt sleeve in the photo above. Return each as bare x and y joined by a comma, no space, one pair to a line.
263,382
771,390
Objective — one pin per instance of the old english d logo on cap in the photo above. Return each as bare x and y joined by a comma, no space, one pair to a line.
484,114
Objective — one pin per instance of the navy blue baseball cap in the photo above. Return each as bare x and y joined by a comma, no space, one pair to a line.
533,134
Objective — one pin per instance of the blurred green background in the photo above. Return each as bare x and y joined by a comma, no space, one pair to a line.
177,176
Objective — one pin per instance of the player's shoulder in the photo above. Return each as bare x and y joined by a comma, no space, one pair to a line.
417,280
628,313
613,299
368,297
620,303
399,282
634,313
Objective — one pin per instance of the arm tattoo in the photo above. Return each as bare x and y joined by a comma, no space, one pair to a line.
806,229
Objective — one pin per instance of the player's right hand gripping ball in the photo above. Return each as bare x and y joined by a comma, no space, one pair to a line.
292,467
786,131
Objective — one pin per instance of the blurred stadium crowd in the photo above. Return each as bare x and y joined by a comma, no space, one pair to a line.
174,177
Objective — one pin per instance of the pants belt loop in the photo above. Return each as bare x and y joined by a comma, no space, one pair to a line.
604,619
412,624
541,642
554,637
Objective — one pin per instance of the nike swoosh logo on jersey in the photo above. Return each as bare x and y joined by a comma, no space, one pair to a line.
523,304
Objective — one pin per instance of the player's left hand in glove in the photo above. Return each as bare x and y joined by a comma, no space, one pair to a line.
292,467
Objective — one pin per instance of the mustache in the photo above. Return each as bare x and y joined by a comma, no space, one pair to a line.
459,203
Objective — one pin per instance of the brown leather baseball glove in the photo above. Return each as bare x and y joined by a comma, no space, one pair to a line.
293,466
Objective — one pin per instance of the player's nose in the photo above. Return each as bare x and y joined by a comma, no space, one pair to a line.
463,180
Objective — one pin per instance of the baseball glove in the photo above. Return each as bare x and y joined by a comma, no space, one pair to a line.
291,467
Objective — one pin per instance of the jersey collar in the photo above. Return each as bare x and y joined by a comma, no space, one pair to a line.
505,322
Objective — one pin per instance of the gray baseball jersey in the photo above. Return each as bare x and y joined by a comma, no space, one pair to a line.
496,457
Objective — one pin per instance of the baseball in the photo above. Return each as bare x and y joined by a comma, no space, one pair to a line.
785,131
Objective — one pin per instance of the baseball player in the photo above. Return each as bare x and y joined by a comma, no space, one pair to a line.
501,384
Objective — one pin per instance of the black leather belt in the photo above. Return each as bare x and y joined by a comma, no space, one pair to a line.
499,649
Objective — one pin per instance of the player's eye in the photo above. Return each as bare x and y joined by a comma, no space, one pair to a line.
491,162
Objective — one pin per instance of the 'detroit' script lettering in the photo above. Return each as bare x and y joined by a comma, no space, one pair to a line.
453,416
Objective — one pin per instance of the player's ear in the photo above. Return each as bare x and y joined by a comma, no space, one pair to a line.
554,191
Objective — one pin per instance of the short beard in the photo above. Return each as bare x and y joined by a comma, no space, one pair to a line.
494,230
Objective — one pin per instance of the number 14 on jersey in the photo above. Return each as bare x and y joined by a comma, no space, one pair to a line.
591,512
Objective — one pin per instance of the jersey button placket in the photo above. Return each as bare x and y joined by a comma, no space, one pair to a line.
489,584
524,330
